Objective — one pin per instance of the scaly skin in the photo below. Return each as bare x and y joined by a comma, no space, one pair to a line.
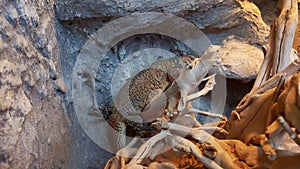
138,92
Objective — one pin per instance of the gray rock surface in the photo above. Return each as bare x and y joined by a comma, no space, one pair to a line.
238,60
219,18
34,132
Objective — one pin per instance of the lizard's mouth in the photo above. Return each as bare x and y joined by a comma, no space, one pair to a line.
188,61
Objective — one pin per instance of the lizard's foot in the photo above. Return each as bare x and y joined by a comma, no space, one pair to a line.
171,114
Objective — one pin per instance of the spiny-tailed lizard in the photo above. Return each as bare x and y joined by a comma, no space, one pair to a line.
139,92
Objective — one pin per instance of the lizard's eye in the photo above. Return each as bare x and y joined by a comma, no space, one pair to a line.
188,61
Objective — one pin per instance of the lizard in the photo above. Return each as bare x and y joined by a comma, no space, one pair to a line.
138,92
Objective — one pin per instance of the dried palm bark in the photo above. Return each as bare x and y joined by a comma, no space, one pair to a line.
254,119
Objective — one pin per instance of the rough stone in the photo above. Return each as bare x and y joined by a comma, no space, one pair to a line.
218,17
30,113
238,60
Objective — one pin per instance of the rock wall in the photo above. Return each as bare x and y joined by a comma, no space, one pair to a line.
219,18
34,127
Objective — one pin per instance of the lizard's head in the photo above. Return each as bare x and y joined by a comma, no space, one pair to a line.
187,61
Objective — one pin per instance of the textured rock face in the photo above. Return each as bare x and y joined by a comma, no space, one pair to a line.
238,60
216,16
218,19
34,131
